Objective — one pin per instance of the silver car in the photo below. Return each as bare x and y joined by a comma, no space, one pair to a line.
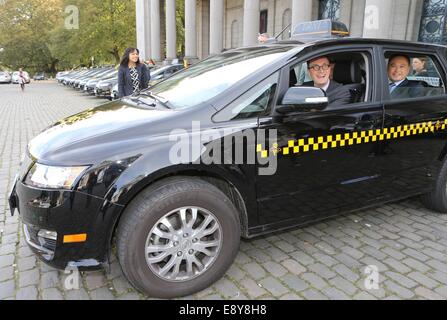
15,77
5,77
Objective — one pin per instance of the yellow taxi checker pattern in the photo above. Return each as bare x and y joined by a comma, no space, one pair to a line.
352,138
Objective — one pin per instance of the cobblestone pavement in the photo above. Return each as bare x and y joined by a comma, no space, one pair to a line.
407,243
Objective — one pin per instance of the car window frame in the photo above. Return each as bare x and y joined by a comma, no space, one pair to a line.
374,97
432,53
226,111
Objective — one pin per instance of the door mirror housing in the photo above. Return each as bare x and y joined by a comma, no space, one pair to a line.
299,99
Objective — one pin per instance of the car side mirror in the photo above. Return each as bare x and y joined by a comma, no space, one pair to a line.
299,99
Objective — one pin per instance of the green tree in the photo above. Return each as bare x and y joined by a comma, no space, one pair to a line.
24,33
106,28
180,24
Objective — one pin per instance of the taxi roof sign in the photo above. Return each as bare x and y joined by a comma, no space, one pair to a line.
320,29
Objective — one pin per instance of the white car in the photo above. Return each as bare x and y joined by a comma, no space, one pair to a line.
5,77
15,77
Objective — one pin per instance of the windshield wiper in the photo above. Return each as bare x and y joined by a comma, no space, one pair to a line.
139,101
159,99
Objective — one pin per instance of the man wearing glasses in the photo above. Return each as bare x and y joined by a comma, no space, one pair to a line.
320,70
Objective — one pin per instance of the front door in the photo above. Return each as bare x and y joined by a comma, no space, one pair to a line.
326,160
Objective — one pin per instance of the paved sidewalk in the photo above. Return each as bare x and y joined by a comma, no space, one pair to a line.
407,243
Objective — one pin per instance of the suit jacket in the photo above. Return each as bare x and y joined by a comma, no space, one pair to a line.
125,87
337,93
408,89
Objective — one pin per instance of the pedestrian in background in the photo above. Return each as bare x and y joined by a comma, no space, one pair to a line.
133,76
22,79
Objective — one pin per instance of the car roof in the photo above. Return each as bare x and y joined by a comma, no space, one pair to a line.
348,41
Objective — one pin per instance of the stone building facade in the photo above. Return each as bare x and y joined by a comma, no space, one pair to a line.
215,25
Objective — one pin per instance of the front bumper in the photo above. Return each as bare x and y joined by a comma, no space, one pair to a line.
102,92
67,213
89,89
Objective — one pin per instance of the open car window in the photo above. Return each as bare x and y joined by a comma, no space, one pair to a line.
423,77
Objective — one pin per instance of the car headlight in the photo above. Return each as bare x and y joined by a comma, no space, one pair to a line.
53,177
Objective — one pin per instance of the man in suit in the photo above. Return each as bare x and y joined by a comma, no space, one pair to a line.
400,87
320,70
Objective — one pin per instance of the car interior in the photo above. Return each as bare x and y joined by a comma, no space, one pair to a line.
349,69
432,83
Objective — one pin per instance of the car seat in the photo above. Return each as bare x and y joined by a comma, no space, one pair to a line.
349,74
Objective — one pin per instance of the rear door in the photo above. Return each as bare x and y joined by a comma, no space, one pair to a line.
417,126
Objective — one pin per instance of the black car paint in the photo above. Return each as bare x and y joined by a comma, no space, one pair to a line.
128,146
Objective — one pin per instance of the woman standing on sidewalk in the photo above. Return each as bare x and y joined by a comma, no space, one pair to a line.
133,76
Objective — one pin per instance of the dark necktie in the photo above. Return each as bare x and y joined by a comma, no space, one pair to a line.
392,87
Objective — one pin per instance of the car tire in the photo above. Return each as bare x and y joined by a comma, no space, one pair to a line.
436,200
142,221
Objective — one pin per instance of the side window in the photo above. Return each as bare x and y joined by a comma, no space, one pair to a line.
255,102
299,74
413,75
343,76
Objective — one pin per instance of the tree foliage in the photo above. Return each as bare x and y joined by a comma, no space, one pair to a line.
34,33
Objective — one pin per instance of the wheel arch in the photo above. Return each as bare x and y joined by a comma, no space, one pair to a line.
228,187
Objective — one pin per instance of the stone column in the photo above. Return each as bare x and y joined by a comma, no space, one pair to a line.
251,22
378,21
155,30
414,20
143,28
216,26
301,11
171,50
190,30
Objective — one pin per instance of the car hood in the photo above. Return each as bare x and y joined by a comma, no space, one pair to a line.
99,132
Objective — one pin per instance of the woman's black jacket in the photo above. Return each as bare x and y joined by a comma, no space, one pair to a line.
125,87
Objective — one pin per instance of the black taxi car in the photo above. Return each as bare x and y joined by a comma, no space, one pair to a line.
116,173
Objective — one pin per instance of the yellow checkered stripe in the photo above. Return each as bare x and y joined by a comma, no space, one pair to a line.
352,138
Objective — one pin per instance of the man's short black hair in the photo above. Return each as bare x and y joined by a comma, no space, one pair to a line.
320,57
395,55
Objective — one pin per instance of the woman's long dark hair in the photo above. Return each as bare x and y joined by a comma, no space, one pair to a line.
125,60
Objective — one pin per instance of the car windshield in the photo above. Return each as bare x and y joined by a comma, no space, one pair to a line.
160,71
212,76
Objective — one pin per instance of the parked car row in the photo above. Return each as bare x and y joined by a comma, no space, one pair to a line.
6,77
103,81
